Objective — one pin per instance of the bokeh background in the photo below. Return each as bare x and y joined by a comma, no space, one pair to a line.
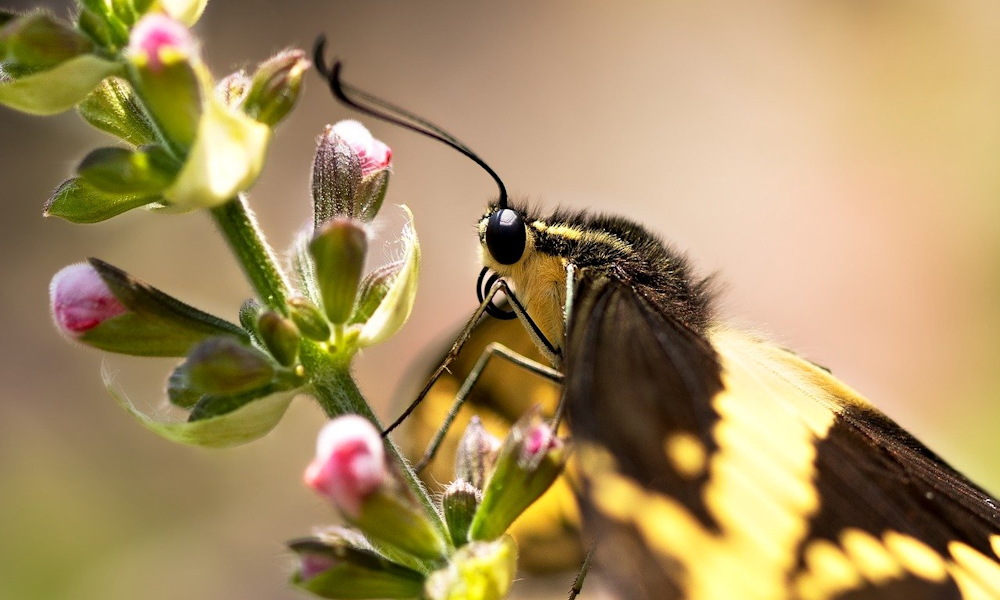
837,162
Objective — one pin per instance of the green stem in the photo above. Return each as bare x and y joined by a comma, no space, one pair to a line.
239,226
338,394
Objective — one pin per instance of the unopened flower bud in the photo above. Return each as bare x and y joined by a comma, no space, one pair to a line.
349,465
224,366
481,570
373,289
37,41
48,67
104,307
113,108
476,454
309,319
529,461
162,52
350,469
281,337
233,88
338,251
459,505
335,566
250,311
275,87
81,300
350,173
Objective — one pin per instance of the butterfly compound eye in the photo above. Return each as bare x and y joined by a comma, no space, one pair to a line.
505,236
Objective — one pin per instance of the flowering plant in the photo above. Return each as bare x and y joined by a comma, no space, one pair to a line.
185,141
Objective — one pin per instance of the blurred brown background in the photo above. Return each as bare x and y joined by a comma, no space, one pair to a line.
837,162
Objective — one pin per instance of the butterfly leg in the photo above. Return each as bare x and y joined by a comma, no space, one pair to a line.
494,349
533,331
577,587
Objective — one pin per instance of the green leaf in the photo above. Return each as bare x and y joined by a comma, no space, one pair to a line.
113,108
121,171
58,89
395,307
78,202
245,424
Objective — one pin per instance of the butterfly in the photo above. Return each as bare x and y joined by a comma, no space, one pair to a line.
711,463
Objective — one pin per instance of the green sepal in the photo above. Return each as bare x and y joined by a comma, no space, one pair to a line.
59,88
304,269
371,193
459,504
251,421
78,202
147,171
216,405
226,366
274,88
100,16
395,307
281,337
36,42
480,570
373,289
309,319
172,95
141,7
156,324
338,251
124,11
355,573
97,29
517,480
249,312
391,517
179,390
113,108
336,175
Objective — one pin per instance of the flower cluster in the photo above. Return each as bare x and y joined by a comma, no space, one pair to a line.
399,547
186,141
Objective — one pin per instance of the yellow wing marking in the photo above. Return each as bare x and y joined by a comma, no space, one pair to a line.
761,437
686,453
774,409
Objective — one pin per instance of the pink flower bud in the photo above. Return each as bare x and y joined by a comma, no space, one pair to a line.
81,300
156,33
539,439
373,154
350,463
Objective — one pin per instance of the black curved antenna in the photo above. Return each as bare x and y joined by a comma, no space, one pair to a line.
396,115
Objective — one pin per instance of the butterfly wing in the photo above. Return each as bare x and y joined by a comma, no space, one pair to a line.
720,466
